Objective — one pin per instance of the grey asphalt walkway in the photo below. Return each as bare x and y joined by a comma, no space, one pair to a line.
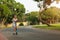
25,33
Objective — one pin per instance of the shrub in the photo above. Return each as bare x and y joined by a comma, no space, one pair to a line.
21,24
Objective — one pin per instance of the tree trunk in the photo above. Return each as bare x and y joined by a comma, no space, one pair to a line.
2,23
43,8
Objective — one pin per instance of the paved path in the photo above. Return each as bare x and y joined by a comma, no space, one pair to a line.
25,33
2,37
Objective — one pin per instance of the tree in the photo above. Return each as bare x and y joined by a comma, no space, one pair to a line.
51,14
42,6
32,18
10,8
4,13
45,2
17,8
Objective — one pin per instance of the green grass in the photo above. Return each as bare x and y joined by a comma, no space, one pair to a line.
52,27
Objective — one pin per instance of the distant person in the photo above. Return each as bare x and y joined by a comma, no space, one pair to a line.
15,24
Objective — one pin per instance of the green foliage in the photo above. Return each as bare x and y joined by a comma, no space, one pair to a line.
11,7
32,17
21,24
4,13
51,14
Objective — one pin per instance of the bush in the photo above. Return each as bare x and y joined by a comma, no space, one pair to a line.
33,23
21,24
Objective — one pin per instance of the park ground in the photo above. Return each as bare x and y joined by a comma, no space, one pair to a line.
52,27
31,33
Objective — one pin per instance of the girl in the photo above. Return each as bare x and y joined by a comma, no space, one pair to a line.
14,24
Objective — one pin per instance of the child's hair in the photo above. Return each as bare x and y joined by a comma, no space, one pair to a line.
14,15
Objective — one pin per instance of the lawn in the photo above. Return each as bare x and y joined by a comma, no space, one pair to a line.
52,27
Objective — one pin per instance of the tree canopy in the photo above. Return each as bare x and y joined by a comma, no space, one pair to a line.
10,7
52,13
32,17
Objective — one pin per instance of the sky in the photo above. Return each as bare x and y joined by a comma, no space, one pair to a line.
54,4
30,5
